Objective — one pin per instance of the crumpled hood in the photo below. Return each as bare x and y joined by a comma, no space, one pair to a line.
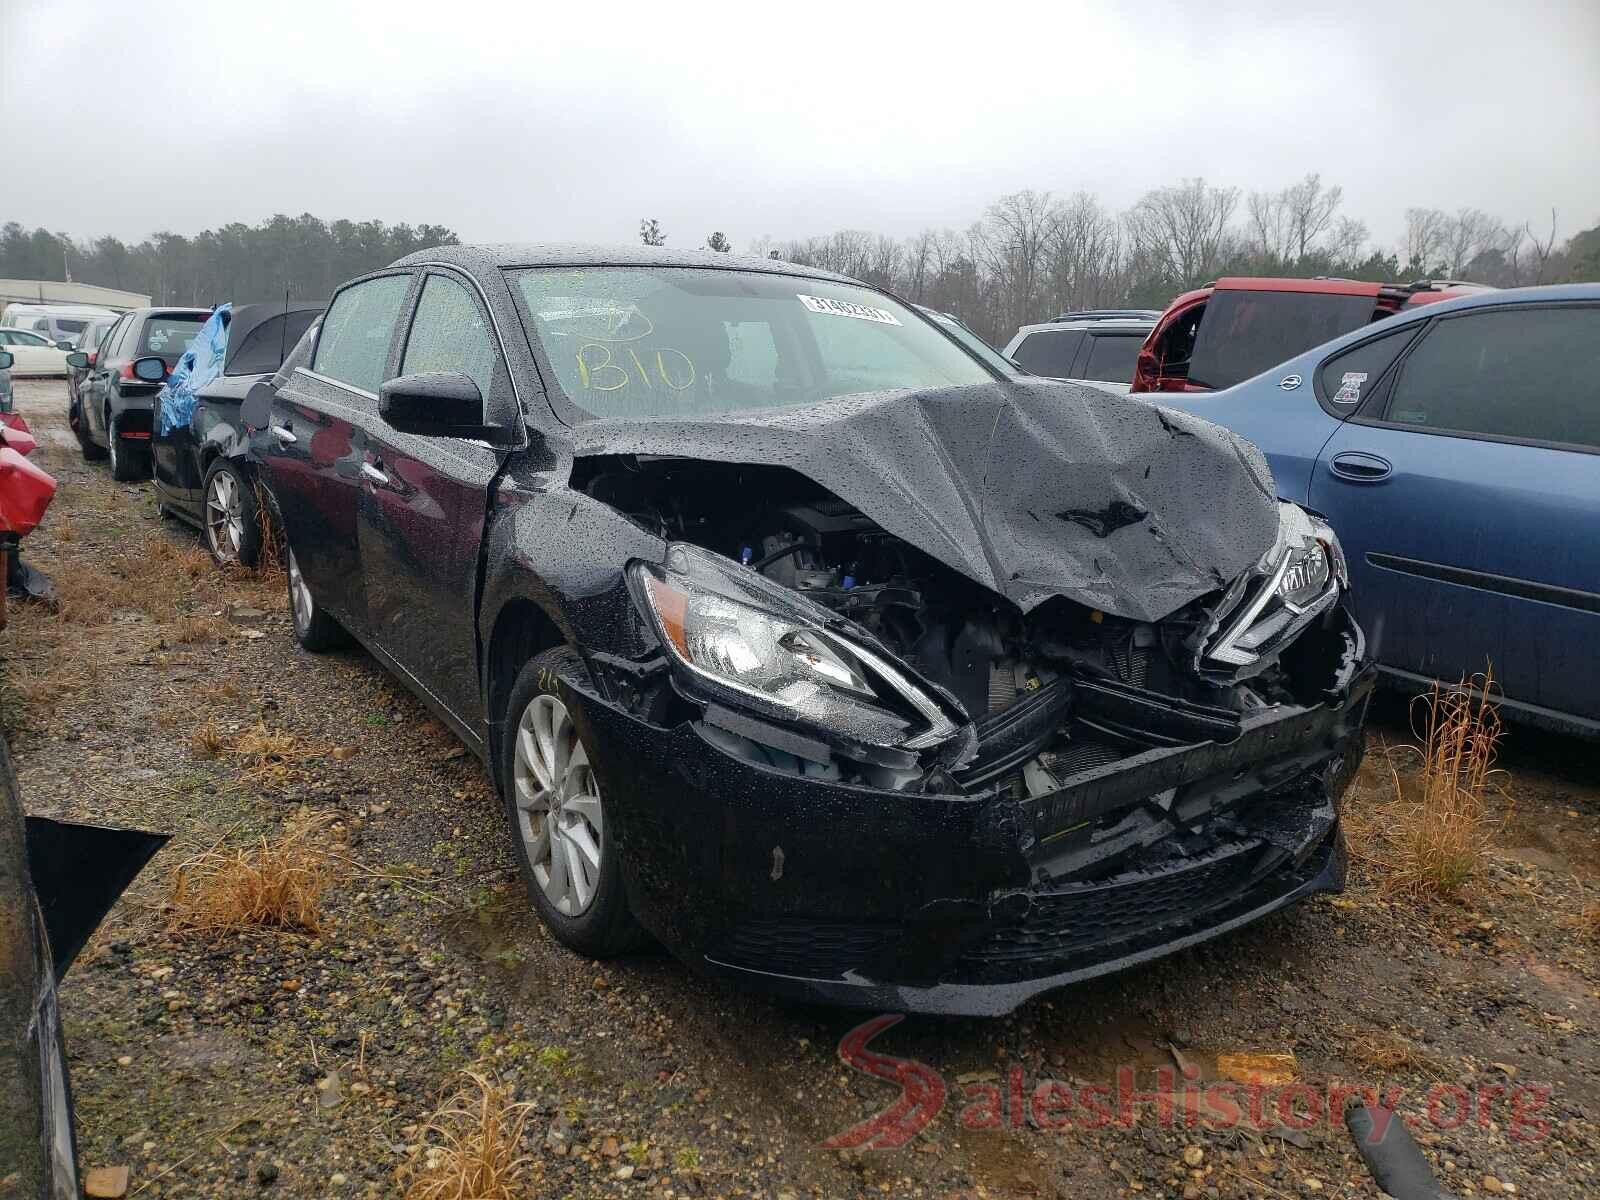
1032,489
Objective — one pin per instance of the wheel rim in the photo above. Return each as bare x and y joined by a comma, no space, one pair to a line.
299,596
560,816
224,516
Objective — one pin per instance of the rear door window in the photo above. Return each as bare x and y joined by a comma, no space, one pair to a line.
1528,373
1112,357
358,331
1049,351
1244,333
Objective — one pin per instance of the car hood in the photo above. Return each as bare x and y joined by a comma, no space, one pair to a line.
1033,489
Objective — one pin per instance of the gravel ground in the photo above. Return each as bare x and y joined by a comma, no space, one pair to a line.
204,1065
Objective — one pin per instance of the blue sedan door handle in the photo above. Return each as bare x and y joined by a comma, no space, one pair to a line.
1356,466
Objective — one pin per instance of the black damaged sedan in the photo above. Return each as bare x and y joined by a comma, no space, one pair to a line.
798,636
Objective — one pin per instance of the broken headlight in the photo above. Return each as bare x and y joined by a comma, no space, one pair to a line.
756,642
1297,580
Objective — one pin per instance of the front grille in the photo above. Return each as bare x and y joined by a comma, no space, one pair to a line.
1091,922
797,946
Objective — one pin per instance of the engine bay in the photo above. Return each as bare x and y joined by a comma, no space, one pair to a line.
1051,692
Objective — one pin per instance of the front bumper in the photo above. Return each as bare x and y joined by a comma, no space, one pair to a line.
969,904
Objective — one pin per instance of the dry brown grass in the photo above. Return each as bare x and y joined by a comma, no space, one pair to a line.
207,740
1381,1052
473,1147
270,754
1431,837
196,629
64,530
219,690
269,564
275,884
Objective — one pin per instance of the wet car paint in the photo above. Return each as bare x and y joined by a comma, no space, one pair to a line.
550,570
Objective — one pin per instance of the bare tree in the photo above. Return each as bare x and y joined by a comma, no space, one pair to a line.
1468,234
1348,240
1426,234
1309,209
1085,255
1182,231
1542,251
1012,242
1269,226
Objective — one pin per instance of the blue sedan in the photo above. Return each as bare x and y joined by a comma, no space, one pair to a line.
1455,449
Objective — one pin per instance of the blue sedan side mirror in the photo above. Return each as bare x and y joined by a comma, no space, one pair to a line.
151,369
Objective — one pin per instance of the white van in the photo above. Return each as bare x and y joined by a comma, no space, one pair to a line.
54,322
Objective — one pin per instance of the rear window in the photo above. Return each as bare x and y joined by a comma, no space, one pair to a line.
1244,333
1049,352
167,336
263,348
1112,358
68,327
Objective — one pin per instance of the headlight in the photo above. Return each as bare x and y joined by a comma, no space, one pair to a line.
1304,570
741,633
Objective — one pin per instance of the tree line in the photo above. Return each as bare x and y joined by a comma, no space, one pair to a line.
1028,257
305,255
1033,255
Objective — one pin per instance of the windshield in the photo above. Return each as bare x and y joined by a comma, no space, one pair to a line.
973,342
677,341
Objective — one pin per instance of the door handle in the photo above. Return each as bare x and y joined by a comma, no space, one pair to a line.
1357,466
282,433
374,474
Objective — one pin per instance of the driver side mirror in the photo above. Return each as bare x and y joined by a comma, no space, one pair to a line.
6,359
149,370
66,344
79,360
436,404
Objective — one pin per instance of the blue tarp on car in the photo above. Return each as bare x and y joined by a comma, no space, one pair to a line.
201,363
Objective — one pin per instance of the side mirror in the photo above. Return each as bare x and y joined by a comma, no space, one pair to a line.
79,360
66,344
436,404
6,359
256,411
151,369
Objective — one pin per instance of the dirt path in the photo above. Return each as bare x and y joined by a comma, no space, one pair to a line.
198,1063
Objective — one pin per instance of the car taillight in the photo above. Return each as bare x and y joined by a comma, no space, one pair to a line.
1147,370
92,357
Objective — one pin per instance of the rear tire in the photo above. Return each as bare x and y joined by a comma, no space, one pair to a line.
313,629
127,464
92,450
231,525
555,814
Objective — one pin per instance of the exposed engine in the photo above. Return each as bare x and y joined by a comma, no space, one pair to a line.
1092,681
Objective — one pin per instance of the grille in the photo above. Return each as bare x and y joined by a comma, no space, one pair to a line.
794,946
1078,756
1106,915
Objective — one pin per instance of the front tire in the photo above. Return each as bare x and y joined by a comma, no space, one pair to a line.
232,525
314,629
564,846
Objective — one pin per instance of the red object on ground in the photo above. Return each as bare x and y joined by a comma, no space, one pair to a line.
19,439
25,493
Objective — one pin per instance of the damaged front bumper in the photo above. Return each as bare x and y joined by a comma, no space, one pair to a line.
970,903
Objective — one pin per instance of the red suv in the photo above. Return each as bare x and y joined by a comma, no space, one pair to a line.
1228,331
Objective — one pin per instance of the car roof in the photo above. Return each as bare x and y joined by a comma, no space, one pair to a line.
497,256
1099,324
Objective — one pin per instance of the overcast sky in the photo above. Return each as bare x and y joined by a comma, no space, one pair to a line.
542,121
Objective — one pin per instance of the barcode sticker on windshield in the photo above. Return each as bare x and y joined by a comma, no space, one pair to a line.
844,308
